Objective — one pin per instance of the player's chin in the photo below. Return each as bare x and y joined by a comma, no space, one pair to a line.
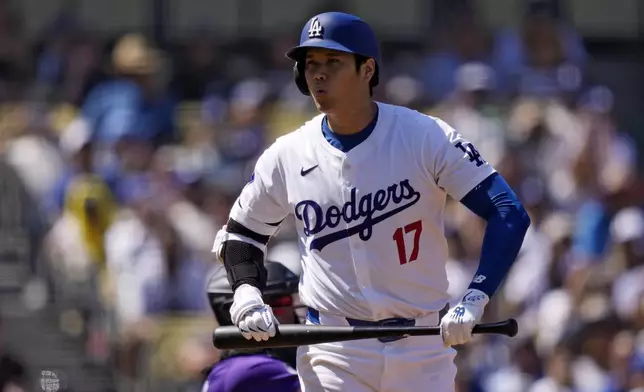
323,103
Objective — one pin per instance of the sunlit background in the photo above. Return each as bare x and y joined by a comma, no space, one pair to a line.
128,127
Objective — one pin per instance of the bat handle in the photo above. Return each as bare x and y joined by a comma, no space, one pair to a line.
509,327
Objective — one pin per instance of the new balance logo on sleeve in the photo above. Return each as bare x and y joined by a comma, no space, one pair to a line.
479,279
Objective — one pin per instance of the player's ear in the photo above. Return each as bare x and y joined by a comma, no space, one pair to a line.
369,68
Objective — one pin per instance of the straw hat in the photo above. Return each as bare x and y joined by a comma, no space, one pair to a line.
134,55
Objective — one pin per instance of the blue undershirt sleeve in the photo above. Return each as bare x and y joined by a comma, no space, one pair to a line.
507,223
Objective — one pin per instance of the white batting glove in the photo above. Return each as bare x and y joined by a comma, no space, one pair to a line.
457,324
251,315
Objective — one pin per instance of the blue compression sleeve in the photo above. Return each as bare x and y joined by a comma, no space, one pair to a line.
507,224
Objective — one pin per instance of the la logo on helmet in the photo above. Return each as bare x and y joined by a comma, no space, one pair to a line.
316,30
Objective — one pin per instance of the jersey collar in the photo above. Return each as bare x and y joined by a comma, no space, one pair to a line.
364,149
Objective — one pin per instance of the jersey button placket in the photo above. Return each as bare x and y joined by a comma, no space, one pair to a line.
355,242
346,174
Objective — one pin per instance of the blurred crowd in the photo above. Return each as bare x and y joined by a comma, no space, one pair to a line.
131,152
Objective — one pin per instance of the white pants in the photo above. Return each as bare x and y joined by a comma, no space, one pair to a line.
416,363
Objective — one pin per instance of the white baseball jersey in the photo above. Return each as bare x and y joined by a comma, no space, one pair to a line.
370,221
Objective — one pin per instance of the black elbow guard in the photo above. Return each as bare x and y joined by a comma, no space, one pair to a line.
244,264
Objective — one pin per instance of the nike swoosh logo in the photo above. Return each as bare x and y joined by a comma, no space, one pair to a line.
307,171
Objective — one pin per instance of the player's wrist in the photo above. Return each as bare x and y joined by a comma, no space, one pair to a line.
475,301
245,299
475,297
246,292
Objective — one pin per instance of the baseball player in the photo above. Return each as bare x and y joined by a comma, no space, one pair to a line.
367,184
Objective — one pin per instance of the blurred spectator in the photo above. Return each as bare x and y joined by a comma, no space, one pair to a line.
543,56
606,162
29,150
627,232
546,137
558,373
77,149
405,90
75,246
472,107
29,165
186,191
243,136
520,374
462,39
82,207
604,171
136,101
151,270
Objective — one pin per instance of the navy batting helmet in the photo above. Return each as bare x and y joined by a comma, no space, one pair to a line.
281,284
336,31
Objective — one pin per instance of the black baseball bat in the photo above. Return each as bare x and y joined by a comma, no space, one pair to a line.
290,335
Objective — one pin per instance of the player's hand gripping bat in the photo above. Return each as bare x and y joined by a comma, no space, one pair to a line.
289,335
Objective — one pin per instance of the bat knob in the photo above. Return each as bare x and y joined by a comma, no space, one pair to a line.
513,327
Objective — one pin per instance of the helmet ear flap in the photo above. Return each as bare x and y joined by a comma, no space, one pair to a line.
300,80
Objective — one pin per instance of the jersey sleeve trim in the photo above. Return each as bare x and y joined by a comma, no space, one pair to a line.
471,183
235,227
260,228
